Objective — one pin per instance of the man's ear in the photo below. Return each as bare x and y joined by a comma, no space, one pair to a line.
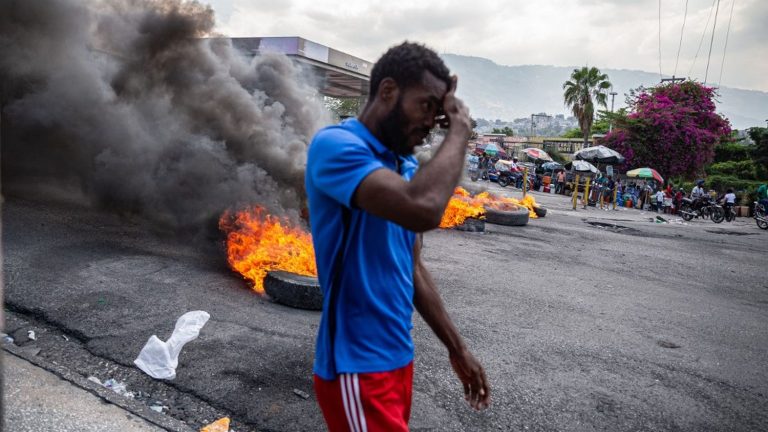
388,92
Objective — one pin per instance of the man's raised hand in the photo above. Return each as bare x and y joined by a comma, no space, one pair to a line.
456,114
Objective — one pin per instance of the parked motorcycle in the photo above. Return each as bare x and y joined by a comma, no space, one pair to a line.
705,210
505,174
760,216
507,178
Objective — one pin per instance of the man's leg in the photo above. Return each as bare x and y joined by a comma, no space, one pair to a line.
371,402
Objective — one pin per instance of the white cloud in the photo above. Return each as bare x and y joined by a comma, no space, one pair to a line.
621,34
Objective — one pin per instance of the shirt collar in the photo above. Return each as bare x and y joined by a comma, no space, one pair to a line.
360,130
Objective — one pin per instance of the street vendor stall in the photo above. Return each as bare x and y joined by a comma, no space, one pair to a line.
645,173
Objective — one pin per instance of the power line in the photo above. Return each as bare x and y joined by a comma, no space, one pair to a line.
660,39
711,41
685,15
725,47
701,41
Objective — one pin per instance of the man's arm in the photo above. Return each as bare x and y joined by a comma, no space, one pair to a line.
418,205
430,306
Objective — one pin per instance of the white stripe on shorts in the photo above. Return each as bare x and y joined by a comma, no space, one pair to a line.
345,399
356,385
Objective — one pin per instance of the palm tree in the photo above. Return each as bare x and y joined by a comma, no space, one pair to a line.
585,85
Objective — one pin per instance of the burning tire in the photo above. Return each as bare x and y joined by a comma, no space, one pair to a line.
540,211
290,289
517,217
472,225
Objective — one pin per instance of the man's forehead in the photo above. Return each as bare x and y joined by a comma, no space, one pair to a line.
433,85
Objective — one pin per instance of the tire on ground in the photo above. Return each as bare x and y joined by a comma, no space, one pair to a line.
291,289
472,225
517,217
540,211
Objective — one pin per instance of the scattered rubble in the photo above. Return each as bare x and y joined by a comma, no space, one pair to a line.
118,387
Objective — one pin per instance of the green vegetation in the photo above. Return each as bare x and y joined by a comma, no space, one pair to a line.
343,107
760,151
600,126
506,131
741,167
586,87
573,133
731,151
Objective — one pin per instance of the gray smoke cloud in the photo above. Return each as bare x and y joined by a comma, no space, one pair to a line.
134,105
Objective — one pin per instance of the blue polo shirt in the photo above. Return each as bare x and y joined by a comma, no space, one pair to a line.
375,298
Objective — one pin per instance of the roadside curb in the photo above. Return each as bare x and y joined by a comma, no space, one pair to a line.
138,409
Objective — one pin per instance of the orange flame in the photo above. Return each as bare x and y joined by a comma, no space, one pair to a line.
462,206
258,243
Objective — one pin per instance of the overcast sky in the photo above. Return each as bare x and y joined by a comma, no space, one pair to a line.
618,34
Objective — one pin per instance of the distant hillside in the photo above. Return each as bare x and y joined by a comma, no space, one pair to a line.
494,92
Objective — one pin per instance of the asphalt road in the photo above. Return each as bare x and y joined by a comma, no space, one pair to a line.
640,326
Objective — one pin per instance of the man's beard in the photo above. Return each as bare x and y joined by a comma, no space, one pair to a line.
393,131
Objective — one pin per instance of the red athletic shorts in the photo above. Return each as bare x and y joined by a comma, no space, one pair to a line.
367,402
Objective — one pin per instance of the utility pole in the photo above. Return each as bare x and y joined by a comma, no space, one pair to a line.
532,125
673,79
610,124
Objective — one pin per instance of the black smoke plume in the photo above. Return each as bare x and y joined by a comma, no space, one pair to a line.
134,105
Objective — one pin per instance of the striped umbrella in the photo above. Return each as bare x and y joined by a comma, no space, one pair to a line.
646,173
535,153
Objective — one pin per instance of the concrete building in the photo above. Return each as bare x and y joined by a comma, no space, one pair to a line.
338,74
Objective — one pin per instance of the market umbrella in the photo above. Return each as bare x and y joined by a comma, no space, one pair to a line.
535,153
492,149
646,173
552,166
599,154
582,166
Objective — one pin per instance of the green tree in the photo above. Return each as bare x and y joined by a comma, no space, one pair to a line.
760,152
602,122
586,87
673,128
343,107
572,133
506,131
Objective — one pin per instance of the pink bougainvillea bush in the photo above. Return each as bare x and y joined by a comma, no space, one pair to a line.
672,128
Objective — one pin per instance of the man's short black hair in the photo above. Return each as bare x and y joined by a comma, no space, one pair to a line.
406,63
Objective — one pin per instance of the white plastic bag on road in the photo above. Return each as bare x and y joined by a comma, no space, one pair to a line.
159,359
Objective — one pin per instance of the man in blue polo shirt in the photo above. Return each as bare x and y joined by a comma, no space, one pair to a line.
368,204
